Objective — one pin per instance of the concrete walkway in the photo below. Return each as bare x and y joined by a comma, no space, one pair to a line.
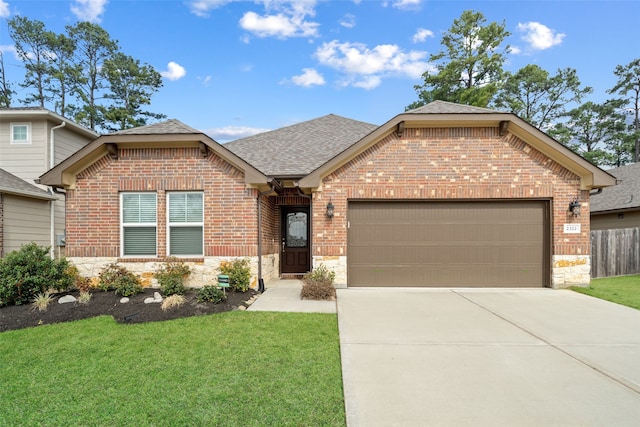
284,295
419,357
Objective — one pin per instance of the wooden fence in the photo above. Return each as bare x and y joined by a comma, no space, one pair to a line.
615,252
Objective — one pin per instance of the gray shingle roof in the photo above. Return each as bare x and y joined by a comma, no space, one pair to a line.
443,107
10,183
171,126
299,149
625,195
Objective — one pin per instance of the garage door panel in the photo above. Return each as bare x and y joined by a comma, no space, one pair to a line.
447,243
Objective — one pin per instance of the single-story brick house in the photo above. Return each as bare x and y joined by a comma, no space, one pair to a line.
443,195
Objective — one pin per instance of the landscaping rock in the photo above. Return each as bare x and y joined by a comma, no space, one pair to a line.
157,297
150,300
124,300
67,299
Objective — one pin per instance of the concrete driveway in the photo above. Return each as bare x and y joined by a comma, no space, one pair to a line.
413,357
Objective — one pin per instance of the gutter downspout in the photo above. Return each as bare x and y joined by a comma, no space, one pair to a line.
52,160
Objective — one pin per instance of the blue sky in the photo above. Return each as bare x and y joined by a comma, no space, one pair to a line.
234,68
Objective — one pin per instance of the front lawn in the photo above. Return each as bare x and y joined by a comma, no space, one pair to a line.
231,369
623,290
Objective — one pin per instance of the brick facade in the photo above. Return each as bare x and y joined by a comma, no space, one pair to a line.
451,164
93,206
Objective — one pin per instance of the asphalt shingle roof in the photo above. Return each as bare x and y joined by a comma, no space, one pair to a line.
299,149
10,183
625,195
171,126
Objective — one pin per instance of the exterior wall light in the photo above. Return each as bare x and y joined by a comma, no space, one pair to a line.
329,210
574,207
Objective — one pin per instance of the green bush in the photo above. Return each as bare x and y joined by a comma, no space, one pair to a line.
212,294
171,277
30,271
318,284
120,279
239,274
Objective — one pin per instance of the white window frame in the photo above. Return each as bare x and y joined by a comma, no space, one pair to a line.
21,141
124,225
183,224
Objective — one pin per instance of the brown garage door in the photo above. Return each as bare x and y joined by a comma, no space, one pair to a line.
466,244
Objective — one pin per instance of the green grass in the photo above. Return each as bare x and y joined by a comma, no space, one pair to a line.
229,369
623,290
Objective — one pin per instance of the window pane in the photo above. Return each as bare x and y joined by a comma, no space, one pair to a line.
185,207
177,207
185,241
20,133
139,241
194,207
138,208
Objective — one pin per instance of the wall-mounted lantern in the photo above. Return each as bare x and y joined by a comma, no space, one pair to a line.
574,207
330,210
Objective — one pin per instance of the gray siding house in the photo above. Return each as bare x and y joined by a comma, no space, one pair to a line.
32,141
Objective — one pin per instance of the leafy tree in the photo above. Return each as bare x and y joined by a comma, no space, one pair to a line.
94,46
539,98
628,86
5,87
31,43
469,68
132,86
594,131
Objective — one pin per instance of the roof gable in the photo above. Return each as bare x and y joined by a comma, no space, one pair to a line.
624,195
296,150
171,133
439,114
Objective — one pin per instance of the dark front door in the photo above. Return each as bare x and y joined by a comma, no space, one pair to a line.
294,257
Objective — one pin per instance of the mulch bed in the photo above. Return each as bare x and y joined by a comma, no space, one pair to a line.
107,303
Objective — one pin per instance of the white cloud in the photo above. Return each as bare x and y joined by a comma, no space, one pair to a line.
283,19
308,78
88,10
230,133
515,50
421,35
174,71
202,7
407,4
7,48
4,9
348,21
539,36
365,67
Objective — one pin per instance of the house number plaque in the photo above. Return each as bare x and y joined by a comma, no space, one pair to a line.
572,229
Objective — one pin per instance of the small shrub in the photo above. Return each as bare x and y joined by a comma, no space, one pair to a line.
84,297
42,301
120,279
318,284
30,271
82,284
239,274
172,301
171,277
212,294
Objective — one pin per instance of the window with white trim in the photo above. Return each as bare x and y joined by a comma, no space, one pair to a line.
185,213
139,224
21,133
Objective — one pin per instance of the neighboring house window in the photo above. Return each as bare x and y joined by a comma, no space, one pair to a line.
20,133
139,224
186,224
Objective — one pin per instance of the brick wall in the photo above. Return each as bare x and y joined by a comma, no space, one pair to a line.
450,163
93,207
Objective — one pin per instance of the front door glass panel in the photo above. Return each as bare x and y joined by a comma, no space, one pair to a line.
297,230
